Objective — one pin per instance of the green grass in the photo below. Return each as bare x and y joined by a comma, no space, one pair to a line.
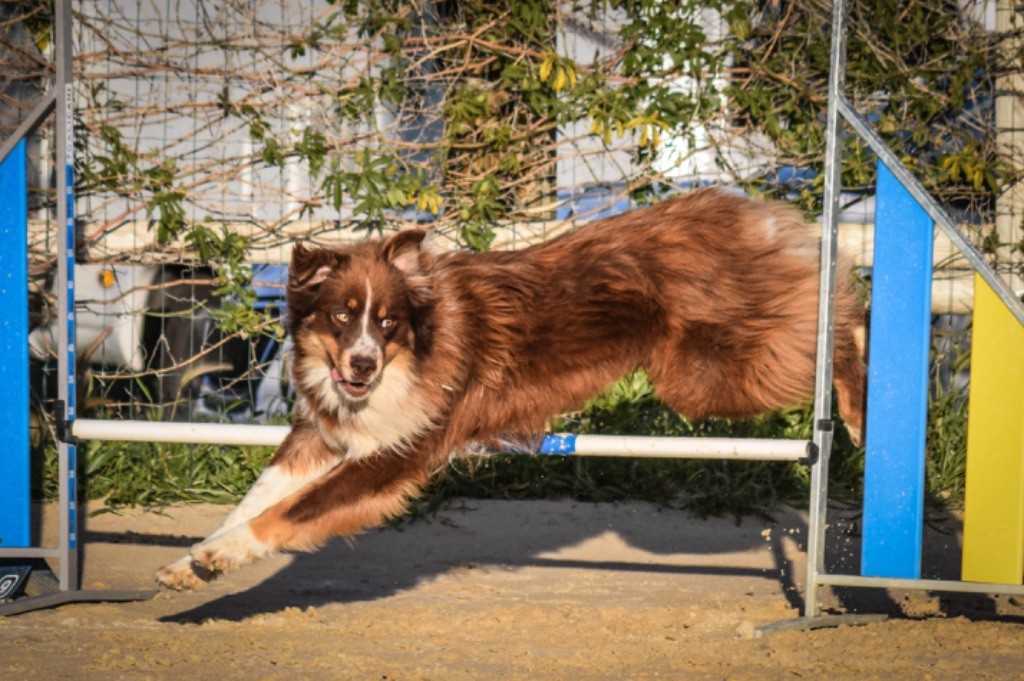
147,474
154,475
946,435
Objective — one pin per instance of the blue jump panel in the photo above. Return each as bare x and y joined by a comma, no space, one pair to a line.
14,426
897,383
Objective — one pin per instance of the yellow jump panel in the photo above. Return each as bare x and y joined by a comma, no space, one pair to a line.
994,503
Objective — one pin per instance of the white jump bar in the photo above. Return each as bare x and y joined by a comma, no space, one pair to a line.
553,445
678,447
184,433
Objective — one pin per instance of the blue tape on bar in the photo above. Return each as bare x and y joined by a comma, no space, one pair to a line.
897,383
14,455
558,445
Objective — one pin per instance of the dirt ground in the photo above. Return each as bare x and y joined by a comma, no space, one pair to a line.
508,590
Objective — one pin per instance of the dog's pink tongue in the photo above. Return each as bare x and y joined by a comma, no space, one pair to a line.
336,375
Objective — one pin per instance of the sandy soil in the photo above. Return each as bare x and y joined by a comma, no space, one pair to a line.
517,590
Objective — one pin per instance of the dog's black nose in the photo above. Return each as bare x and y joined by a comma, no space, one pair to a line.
363,366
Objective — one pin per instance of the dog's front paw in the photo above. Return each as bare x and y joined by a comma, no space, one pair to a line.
856,435
228,551
183,575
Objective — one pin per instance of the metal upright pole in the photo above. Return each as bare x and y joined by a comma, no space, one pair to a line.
65,410
823,425
64,414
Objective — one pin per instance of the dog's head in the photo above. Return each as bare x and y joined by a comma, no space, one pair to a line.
357,313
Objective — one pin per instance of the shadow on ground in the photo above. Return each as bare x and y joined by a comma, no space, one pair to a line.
568,536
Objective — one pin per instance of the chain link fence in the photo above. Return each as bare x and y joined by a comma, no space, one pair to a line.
213,134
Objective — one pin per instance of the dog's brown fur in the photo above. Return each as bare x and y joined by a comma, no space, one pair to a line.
714,294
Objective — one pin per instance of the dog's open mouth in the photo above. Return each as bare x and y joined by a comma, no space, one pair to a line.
353,388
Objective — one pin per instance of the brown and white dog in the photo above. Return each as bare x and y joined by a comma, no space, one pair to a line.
402,356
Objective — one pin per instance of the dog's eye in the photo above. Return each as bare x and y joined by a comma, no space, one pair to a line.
342,317
387,323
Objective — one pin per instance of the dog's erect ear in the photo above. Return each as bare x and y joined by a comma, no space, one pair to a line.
311,266
402,251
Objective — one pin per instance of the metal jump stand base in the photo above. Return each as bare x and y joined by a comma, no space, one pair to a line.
48,594
46,581
818,622
31,603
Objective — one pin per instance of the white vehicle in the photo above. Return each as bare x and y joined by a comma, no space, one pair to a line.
154,328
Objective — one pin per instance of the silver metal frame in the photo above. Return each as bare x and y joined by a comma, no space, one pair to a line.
839,110
826,317
28,126
65,149
930,205
61,99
